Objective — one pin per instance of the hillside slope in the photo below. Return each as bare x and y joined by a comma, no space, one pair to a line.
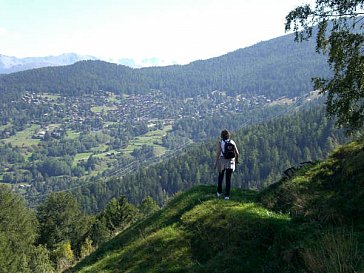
313,222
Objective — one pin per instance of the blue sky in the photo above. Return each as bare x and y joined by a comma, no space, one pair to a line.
173,31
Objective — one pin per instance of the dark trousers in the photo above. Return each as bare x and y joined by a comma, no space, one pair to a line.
229,172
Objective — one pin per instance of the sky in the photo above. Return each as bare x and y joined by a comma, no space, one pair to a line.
172,31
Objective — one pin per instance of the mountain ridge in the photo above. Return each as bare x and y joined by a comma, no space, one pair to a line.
275,68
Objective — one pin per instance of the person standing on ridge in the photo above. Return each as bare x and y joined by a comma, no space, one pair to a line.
227,156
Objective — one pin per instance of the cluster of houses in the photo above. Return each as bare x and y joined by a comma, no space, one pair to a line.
139,108
133,109
51,131
31,98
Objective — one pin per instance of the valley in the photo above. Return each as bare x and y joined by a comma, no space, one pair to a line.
76,138
91,127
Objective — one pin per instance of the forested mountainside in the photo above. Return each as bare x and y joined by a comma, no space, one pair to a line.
267,149
275,68
312,222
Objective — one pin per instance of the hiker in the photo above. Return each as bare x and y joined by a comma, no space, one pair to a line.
227,156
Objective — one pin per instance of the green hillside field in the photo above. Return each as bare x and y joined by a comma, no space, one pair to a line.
311,222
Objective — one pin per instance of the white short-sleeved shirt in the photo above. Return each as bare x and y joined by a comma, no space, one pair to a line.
223,163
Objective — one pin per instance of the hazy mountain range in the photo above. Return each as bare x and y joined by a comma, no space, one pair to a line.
10,64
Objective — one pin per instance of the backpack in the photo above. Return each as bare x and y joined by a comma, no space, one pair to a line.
229,150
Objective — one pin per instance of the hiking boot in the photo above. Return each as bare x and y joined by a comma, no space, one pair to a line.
218,194
227,198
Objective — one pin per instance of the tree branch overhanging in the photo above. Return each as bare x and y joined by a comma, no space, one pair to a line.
340,35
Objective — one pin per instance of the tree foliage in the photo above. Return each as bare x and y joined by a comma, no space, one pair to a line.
340,35
63,255
58,234
18,231
119,213
40,261
61,219
149,206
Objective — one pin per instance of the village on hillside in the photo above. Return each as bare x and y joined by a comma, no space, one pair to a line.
96,111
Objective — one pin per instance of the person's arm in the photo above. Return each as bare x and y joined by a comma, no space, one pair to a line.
236,154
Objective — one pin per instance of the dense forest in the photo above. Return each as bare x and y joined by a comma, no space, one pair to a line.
274,68
51,238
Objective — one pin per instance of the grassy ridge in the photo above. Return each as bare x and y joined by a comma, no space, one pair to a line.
194,233
331,192
313,222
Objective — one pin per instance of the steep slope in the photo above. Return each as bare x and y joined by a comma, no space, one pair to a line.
332,191
275,68
311,223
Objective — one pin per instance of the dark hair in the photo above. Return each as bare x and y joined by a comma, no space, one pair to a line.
225,134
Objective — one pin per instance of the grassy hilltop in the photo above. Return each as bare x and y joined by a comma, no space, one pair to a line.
313,222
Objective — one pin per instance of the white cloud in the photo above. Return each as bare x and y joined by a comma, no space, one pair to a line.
4,33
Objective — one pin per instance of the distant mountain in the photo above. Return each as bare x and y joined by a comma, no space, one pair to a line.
274,68
147,62
10,64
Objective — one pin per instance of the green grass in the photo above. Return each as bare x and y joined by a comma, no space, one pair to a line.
108,123
159,150
102,167
50,96
322,191
24,138
313,222
112,98
102,148
167,242
195,232
152,138
81,156
72,134
5,127
54,125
